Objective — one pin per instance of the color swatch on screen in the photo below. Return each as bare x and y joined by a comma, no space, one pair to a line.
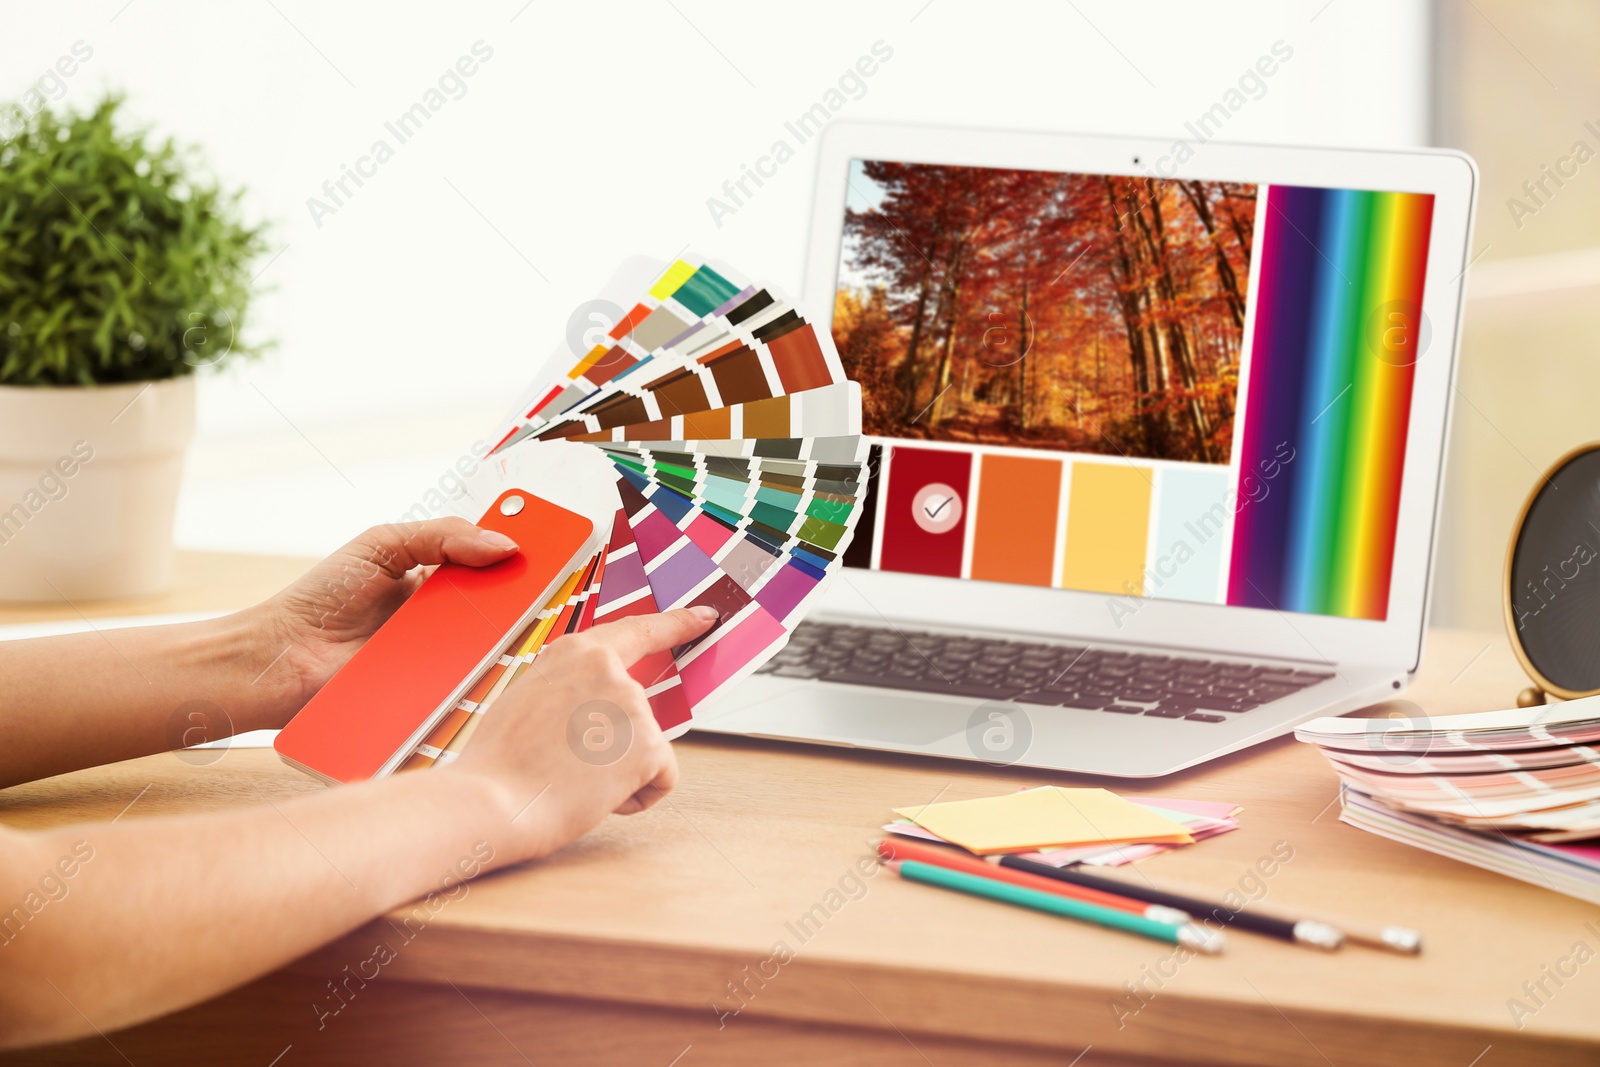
924,525
1328,396
1190,534
1014,524
1050,521
1108,521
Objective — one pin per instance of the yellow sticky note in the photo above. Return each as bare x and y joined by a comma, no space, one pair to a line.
1050,817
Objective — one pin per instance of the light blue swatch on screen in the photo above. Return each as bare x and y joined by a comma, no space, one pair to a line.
1192,519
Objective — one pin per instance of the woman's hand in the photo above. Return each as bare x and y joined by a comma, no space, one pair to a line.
567,744
311,629
574,739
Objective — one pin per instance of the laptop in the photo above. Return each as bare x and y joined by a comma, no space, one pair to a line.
1157,431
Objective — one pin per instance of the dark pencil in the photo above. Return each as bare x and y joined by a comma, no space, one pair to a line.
1305,931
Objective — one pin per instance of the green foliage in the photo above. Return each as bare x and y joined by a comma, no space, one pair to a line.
119,262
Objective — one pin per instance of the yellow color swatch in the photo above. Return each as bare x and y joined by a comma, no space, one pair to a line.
1108,523
1048,817
590,359
671,279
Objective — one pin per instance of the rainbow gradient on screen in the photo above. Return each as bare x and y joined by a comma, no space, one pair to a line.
1331,365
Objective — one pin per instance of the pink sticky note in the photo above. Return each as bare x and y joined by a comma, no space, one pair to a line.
1210,808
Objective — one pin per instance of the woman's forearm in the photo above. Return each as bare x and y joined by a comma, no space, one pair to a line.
86,699
120,923
98,697
104,925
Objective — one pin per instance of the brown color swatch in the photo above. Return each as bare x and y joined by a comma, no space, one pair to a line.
619,411
767,418
739,376
799,360
680,392
714,425
575,430
659,430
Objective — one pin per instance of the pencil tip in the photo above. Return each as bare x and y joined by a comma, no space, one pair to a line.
1200,939
1399,939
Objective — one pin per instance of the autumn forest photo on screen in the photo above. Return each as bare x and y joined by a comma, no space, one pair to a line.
1086,313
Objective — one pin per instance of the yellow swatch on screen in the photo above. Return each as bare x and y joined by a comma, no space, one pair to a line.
1048,817
1108,524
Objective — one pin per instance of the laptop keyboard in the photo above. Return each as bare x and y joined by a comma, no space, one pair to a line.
1066,676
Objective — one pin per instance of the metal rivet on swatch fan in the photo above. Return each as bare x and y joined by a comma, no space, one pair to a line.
512,505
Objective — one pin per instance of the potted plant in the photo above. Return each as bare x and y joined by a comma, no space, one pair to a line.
123,270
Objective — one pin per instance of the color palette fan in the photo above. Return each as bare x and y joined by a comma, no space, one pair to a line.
721,423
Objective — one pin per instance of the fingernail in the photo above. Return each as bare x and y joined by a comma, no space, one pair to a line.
704,613
496,539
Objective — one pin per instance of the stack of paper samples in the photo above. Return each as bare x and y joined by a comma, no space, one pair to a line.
1513,791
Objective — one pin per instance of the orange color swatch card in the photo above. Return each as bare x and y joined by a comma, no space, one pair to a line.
421,662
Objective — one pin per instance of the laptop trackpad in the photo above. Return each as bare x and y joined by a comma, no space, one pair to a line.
849,715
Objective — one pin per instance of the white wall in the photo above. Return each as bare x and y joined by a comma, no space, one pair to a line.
407,321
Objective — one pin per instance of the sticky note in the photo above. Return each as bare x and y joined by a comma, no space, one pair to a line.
1049,817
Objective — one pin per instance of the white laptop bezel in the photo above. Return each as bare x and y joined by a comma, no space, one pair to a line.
1394,642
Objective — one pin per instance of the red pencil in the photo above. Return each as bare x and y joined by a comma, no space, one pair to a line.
900,849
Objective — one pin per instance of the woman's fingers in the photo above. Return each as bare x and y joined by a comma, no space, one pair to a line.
636,637
397,547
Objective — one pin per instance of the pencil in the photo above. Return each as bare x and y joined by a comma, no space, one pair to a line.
898,849
1397,939
1185,934
1302,931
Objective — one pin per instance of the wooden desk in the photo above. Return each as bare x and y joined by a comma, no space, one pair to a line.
621,948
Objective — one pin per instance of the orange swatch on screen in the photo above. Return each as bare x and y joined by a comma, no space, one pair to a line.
1014,525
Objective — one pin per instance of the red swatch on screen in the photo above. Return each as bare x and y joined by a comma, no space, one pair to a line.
925,511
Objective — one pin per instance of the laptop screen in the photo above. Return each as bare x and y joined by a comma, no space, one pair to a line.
1130,385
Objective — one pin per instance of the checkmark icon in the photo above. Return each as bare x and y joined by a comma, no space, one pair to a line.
936,508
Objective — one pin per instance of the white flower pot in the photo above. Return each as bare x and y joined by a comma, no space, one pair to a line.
88,488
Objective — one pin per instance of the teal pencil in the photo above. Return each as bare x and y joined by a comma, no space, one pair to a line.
1186,934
